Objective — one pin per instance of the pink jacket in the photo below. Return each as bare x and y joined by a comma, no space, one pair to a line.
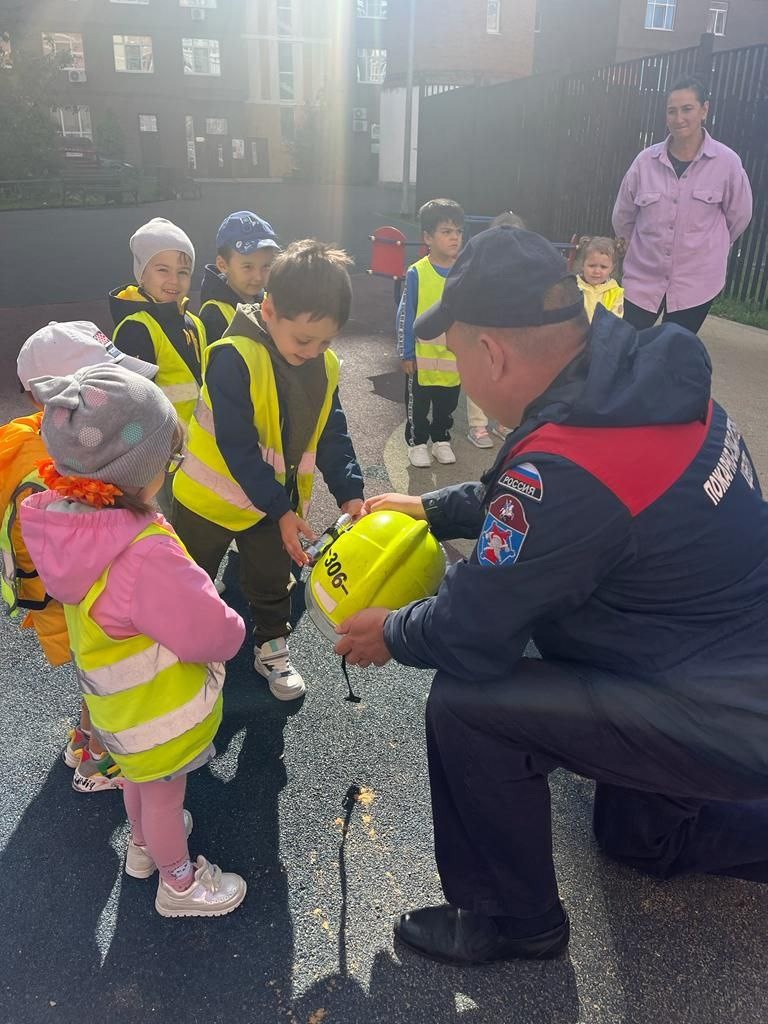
680,230
154,587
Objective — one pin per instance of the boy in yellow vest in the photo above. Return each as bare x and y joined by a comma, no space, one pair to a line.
269,412
432,382
151,318
245,248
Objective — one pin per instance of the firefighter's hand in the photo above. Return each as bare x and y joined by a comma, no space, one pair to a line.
353,508
362,641
409,366
291,528
411,504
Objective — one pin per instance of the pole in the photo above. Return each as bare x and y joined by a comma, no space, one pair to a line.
405,202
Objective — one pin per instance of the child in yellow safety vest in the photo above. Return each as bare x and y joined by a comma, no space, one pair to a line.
148,632
245,248
432,382
151,317
55,350
269,412
596,263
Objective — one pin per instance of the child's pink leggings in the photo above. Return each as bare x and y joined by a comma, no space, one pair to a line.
156,813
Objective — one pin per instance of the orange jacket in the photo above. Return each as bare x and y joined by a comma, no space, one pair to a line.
21,449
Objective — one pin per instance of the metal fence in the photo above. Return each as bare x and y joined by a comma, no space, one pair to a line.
555,148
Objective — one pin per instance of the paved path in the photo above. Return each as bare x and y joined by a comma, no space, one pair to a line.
81,941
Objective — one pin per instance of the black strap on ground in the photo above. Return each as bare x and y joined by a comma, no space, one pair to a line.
351,696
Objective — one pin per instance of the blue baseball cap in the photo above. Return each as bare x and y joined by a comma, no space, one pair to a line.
245,232
499,280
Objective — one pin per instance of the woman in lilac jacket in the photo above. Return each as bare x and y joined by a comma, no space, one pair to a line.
681,206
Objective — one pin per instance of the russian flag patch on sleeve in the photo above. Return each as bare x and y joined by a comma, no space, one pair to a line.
523,479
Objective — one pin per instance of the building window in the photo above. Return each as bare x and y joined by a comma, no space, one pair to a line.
209,4
201,56
133,53
285,71
73,121
189,133
238,149
371,66
216,126
660,14
68,45
285,17
718,14
371,8
147,122
493,17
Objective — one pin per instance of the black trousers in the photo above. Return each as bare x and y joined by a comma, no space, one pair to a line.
420,402
663,804
265,566
691,318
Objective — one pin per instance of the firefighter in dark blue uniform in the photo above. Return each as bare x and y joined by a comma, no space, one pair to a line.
623,529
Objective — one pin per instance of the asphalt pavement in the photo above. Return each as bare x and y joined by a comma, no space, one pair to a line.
313,941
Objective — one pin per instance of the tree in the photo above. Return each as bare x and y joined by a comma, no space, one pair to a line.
28,147
109,136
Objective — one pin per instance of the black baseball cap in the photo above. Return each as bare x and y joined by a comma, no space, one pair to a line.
499,280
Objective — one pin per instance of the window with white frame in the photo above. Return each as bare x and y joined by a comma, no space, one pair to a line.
493,17
371,8
147,122
371,66
216,126
718,15
201,56
660,14
133,53
68,45
285,71
208,4
73,121
285,17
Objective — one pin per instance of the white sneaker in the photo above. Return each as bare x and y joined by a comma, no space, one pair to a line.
213,892
443,452
138,863
479,437
272,661
418,455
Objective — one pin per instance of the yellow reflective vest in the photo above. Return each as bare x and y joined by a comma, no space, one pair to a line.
154,713
226,309
203,482
174,377
435,364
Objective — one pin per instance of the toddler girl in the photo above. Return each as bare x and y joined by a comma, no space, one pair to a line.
596,261
149,634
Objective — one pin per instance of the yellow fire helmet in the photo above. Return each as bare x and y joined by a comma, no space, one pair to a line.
384,560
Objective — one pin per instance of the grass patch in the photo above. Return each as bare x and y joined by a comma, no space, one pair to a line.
750,313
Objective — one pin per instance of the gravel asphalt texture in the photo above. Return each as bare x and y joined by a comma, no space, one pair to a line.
313,941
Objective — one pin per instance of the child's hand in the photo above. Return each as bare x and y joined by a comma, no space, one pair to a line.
409,366
291,528
353,508
410,504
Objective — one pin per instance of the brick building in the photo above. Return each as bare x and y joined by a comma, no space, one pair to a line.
570,37
165,76
457,42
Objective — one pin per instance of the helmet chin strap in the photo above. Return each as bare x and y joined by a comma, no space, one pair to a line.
351,696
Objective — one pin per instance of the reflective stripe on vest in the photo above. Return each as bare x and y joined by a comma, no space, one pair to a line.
19,589
435,364
174,377
204,483
154,713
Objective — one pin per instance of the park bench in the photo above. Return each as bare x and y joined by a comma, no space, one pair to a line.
111,183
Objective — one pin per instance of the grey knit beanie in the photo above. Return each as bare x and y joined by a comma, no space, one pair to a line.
158,235
106,423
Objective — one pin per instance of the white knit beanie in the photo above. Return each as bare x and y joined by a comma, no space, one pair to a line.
158,235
